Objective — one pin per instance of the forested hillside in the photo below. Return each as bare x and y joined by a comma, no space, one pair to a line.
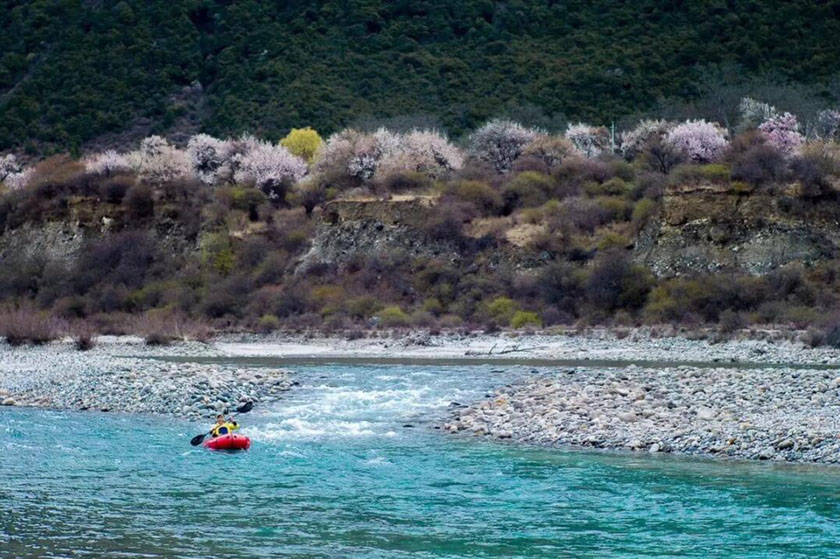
72,71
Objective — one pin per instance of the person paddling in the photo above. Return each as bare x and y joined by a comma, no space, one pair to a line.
223,426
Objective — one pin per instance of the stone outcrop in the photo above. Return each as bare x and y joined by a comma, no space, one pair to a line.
394,211
721,229
374,227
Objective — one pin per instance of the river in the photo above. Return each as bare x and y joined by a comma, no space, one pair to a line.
350,465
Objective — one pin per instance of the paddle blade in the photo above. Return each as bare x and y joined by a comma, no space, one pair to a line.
196,440
245,408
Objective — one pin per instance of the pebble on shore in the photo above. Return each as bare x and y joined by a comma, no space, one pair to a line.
764,414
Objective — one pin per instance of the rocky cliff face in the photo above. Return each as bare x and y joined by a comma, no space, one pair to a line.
59,238
377,227
719,229
701,229
53,241
374,227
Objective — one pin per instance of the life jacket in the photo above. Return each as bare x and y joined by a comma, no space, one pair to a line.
224,429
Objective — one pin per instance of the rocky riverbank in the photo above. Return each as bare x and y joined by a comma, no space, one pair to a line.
638,345
765,414
127,376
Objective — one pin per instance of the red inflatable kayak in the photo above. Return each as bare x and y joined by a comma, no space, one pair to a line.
228,442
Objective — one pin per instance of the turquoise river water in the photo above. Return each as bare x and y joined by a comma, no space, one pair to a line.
350,466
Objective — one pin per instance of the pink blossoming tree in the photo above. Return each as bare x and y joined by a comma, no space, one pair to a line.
782,132
701,141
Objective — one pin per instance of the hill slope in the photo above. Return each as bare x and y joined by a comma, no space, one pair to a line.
75,70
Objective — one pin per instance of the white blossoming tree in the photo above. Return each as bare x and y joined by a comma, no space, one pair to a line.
271,168
753,113
701,141
551,151
500,142
828,125
335,155
365,156
12,173
210,158
590,141
634,142
107,163
422,151
157,162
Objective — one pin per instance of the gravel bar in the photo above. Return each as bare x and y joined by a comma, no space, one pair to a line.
765,414
120,376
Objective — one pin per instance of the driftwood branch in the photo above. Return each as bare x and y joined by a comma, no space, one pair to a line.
513,349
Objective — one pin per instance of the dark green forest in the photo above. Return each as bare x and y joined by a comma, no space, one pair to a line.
74,70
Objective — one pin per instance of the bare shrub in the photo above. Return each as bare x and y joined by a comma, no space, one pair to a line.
354,334
479,194
731,321
575,172
581,214
615,282
402,181
138,202
760,165
83,333
113,189
813,337
28,325
832,335
160,328
447,224
810,172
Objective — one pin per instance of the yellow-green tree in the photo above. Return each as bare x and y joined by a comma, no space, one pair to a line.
303,142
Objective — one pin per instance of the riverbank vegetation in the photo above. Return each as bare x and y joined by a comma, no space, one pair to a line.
527,228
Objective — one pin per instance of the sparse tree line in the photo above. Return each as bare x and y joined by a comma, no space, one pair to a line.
574,201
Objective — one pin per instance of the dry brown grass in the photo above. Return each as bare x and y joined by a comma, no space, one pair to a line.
26,324
524,234
161,328
483,226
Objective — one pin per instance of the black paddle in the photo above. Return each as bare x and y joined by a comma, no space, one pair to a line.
245,408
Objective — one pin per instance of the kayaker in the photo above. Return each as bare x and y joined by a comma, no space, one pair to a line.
223,427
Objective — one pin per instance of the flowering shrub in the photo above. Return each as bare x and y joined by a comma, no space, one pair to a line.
335,155
753,113
550,150
107,163
501,142
12,173
157,162
701,141
783,133
365,156
422,151
634,142
588,140
210,158
271,168
386,143
364,162
828,125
